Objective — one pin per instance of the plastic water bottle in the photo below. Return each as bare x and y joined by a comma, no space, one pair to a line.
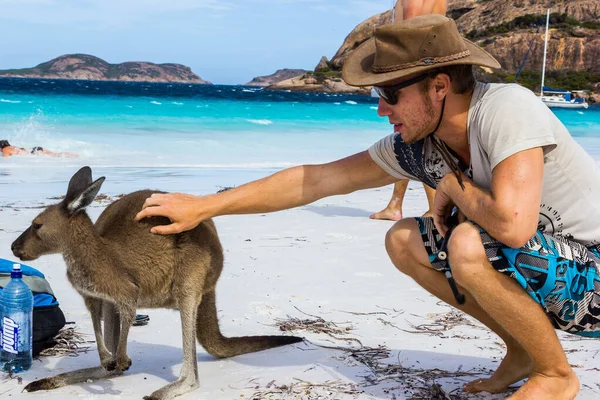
16,310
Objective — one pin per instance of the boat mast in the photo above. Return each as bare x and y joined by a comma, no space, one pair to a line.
545,49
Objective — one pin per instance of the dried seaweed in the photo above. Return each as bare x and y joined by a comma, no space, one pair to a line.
316,324
443,322
300,389
413,383
68,342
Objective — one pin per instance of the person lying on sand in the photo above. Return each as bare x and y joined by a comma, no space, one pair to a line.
526,247
10,150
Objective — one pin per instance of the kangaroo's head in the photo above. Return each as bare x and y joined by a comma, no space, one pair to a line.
48,232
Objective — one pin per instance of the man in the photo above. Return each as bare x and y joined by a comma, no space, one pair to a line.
405,9
528,192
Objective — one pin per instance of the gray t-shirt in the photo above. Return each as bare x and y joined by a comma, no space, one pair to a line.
503,120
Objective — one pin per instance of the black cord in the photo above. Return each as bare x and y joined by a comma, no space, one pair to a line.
451,222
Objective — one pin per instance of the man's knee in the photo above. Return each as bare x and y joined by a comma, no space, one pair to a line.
398,244
466,254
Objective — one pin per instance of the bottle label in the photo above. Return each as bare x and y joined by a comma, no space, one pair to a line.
10,335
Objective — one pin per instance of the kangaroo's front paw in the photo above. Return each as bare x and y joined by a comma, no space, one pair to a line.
119,364
110,365
123,363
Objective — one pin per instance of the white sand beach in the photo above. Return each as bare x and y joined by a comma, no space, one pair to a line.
323,260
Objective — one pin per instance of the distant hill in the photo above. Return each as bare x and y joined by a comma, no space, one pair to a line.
278,76
87,67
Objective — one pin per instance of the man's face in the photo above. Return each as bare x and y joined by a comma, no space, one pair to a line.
413,116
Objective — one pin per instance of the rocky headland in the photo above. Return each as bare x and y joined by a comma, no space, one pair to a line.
278,76
87,67
506,29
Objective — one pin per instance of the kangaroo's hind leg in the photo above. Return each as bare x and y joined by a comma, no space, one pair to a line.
188,379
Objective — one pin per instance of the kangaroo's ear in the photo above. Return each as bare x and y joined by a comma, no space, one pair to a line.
82,191
79,182
84,198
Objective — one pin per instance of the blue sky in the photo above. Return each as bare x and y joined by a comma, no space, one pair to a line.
223,41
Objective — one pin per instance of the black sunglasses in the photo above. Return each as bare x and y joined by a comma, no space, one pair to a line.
388,93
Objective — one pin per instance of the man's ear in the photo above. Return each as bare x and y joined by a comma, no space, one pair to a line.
442,85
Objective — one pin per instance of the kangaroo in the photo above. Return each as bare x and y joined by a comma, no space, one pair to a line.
117,265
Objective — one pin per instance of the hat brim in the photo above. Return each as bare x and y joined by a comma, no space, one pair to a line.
358,70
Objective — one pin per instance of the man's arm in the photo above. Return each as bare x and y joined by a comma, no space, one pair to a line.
509,212
289,188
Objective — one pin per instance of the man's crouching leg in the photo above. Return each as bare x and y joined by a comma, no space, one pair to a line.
505,302
407,251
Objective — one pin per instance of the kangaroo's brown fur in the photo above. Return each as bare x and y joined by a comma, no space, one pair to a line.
117,265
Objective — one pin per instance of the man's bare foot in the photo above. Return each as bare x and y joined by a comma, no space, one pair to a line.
392,212
516,365
389,214
548,387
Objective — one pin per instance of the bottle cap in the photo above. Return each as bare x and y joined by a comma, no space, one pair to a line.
16,272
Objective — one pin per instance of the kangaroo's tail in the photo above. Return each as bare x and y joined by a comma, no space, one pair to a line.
210,337
69,378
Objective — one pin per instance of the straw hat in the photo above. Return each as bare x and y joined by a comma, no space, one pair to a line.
410,47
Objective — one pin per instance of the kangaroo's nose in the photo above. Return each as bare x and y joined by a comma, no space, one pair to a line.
15,249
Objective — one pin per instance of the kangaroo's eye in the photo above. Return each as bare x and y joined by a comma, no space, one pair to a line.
36,226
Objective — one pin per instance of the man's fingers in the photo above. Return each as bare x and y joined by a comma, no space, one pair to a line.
166,229
146,212
151,206
165,205
440,225
154,200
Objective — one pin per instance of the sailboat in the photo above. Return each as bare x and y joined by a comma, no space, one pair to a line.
557,98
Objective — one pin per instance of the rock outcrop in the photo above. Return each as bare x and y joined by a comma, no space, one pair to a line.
504,29
323,64
87,67
570,47
308,83
278,76
360,34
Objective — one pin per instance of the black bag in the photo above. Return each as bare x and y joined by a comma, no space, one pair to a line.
48,318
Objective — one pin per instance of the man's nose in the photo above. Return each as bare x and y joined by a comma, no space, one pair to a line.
383,108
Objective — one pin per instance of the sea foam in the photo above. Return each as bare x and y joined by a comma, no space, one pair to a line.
260,121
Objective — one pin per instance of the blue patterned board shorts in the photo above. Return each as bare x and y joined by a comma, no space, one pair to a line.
563,276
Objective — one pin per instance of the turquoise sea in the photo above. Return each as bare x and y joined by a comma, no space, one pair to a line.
191,138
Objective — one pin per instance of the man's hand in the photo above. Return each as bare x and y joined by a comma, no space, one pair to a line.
443,204
184,211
